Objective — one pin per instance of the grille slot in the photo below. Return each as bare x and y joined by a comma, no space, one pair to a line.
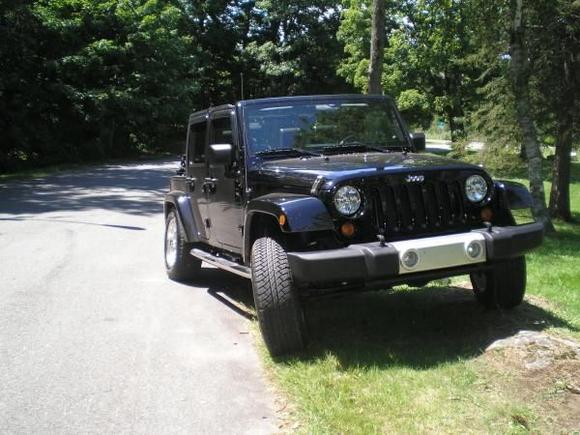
418,208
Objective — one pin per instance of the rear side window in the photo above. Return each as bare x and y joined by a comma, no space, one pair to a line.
197,142
222,130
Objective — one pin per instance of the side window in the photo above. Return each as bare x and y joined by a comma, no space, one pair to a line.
221,131
197,142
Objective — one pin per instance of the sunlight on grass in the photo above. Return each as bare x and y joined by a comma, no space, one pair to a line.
413,360
405,362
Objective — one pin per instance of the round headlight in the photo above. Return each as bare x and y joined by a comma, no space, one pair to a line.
347,200
475,188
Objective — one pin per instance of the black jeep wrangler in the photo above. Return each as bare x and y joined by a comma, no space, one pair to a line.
306,195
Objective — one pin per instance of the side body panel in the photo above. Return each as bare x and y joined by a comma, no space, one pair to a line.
303,213
181,201
223,185
516,194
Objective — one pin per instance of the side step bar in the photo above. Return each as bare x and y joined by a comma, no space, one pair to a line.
222,263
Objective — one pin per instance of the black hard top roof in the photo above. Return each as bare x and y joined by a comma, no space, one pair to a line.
278,100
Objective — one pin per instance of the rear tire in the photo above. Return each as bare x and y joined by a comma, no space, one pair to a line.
180,265
503,286
280,313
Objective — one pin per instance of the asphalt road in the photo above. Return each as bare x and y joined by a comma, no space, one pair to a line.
94,338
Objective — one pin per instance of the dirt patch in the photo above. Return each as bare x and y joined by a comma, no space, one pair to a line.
543,371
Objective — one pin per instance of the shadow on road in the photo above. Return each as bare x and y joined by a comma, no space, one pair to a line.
417,328
231,290
68,221
130,188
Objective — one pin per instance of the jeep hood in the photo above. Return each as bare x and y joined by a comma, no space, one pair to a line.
301,172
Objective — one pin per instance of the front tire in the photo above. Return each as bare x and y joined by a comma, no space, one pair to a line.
503,286
180,265
280,314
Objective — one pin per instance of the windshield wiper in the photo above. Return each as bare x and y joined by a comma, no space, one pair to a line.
283,152
354,146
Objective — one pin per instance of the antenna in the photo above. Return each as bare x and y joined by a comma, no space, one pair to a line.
242,84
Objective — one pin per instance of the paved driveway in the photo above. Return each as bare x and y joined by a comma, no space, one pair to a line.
94,338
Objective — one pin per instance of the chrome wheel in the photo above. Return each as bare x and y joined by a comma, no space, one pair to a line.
171,242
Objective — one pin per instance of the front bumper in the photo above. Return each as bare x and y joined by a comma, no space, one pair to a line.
372,262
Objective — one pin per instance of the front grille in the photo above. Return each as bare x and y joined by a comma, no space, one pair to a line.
412,208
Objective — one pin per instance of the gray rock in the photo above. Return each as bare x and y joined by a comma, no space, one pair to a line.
540,349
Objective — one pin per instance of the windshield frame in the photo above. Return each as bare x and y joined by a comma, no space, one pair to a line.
265,103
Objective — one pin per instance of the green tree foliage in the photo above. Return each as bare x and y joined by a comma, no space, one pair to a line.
453,58
415,107
552,41
100,78
85,79
295,50
428,52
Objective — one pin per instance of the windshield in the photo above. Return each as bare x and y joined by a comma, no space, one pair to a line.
322,127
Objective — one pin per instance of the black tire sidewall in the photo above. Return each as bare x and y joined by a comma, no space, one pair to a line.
280,313
503,286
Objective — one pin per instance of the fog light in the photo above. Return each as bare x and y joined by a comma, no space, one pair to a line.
473,250
347,229
410,259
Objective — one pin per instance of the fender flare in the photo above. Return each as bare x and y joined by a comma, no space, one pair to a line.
516,195
304,213
182,204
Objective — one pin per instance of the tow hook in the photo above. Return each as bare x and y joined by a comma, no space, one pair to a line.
381,240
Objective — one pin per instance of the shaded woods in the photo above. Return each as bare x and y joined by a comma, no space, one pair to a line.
83,80
87,79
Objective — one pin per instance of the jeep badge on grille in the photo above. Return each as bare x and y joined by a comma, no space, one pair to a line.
414,178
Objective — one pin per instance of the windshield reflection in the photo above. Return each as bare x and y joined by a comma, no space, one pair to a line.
309,128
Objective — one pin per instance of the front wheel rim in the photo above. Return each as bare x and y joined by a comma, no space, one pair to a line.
171,243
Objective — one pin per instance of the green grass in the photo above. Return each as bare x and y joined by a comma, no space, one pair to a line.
414,361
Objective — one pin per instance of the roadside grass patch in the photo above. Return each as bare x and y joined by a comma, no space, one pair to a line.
415,360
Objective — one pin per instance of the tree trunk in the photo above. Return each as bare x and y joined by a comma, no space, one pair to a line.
560,193
454,113
377,47
456,126
452,126
520,75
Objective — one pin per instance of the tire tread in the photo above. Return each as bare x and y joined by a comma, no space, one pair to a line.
505,284
277,304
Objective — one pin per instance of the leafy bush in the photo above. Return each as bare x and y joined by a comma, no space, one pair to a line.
414,107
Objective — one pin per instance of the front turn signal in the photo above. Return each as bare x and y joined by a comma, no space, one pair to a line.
282,220
347,229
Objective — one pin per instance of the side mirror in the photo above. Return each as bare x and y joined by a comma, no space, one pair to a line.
220,154
418,140
182,165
